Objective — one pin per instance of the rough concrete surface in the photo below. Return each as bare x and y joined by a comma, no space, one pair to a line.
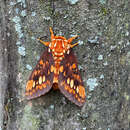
103,54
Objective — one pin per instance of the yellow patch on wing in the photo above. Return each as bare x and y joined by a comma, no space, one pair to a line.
29,85
68,81
71,83
52,68
43,79
81,91
61,68
40,80
74,66
41,62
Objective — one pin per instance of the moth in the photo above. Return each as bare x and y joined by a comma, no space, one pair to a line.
58,69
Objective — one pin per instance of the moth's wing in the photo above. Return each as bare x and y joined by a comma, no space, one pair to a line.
70,82
41,79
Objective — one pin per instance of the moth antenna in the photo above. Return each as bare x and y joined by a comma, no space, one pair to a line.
52,34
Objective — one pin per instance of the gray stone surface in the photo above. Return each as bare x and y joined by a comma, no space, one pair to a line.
104,62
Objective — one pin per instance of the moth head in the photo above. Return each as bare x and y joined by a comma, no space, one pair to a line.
59,44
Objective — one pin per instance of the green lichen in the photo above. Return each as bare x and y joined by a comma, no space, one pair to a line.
127,97
29,120
104,11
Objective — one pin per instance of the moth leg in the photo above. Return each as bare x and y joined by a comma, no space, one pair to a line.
71,39
74,45
45,43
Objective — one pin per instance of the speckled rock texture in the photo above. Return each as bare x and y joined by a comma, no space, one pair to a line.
103,54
